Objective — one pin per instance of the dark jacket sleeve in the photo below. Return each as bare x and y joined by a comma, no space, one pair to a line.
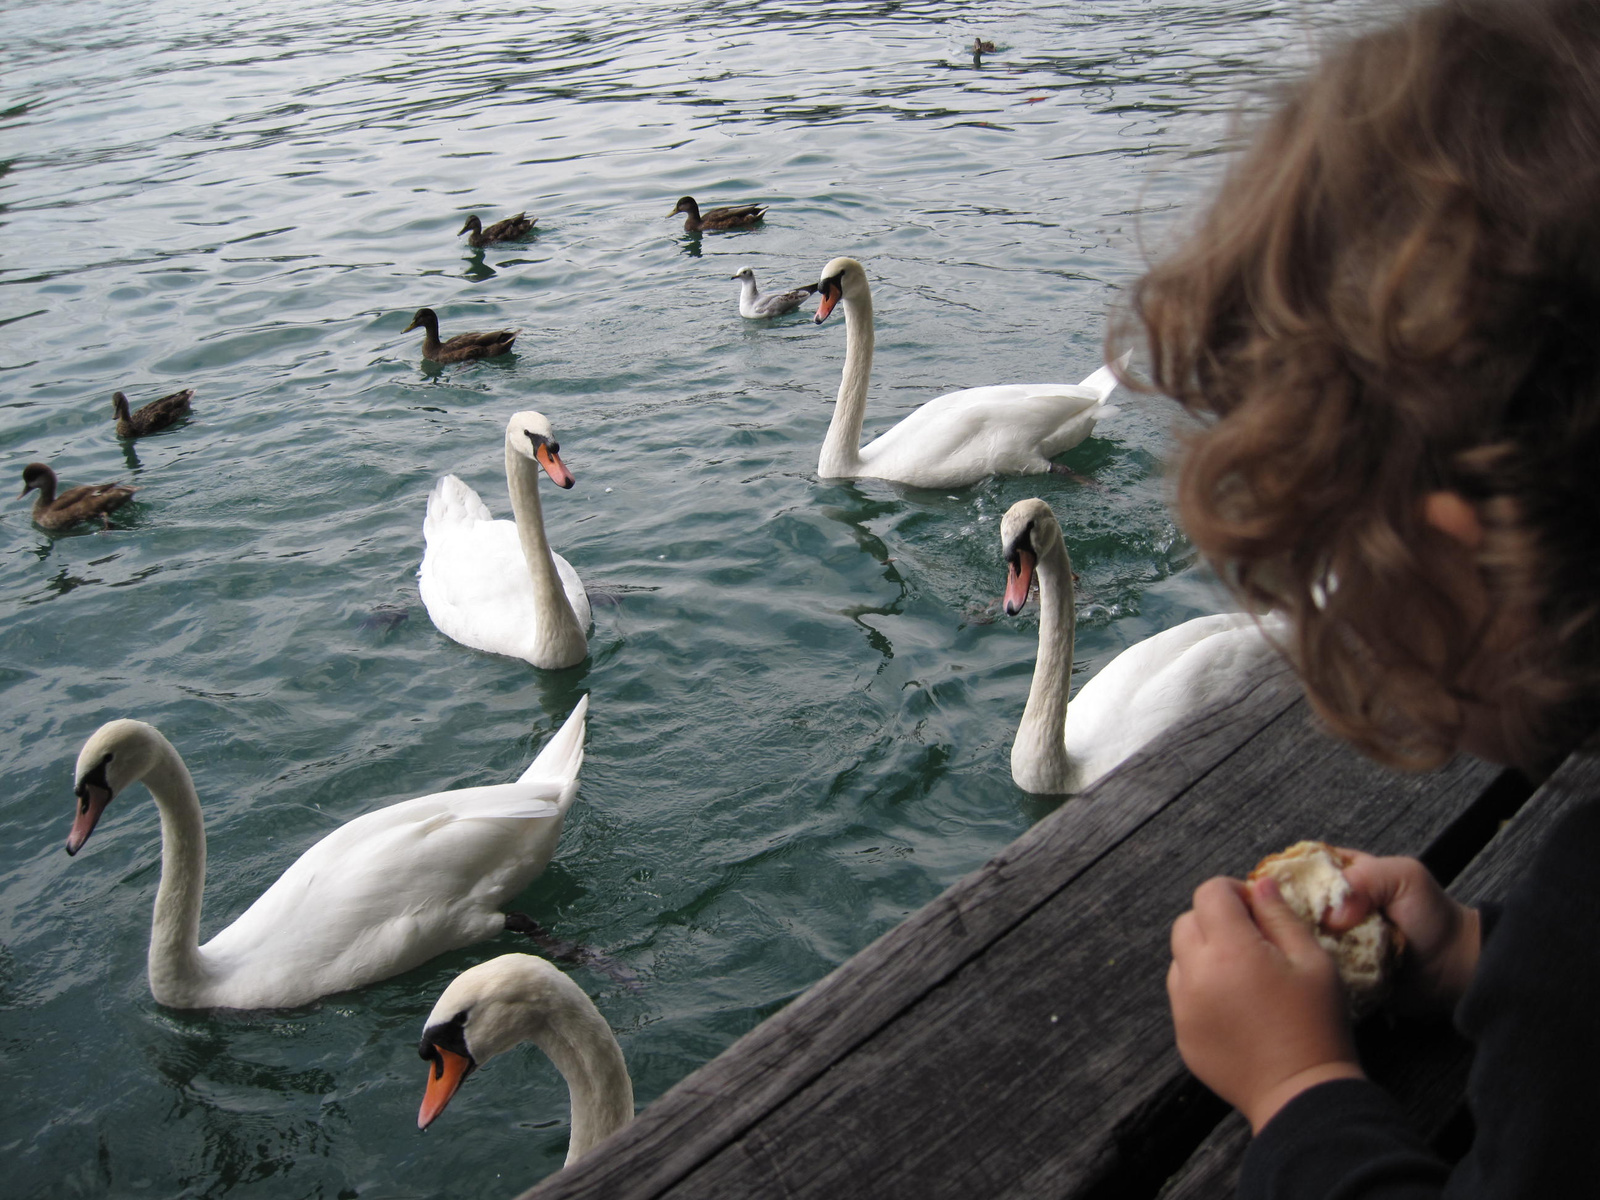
1535,1068
1344,1138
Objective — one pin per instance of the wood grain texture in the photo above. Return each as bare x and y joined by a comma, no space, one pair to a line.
1012,1037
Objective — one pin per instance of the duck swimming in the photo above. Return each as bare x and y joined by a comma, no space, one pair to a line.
464,347
739,217
156,415
95,501
501,231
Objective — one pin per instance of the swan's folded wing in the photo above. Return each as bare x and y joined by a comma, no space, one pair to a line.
1007,428
474,584
452,502
390,889
1156,683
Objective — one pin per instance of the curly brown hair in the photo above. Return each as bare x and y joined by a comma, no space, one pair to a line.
1397,292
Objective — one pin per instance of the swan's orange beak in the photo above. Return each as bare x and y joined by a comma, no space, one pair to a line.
444,1077
553,466
1019,580
92,801
831,292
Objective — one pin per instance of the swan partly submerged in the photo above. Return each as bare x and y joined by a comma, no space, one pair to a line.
497,585
515,998
1144,690
379,895
956,439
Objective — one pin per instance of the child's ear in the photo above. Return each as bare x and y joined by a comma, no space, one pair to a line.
1452,515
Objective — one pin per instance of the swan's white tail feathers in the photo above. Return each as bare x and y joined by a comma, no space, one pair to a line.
1104,381
558,763
452,500
525,798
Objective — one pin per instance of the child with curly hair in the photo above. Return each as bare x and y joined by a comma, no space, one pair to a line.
1388,325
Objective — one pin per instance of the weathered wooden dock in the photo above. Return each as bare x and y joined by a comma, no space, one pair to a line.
1012,1038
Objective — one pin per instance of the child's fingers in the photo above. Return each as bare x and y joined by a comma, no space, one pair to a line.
1376,884
1219,908
1278,924
1185,935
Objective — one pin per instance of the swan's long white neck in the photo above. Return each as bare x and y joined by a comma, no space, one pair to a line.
583,1049
177,970
1039,761
841,449
561,640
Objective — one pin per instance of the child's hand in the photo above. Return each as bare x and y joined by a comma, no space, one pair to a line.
1256,1002
1442,937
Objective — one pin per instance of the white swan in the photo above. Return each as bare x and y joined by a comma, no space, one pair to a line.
499,1004
379,895
956,439
1134,697
497,585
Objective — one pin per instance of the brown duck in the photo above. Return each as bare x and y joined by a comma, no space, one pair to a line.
158,414
464,346
718,218
50,511
500,231
979,46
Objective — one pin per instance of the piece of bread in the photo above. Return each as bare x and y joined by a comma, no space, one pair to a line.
1310,875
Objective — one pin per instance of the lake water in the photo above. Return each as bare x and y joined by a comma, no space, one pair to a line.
803,695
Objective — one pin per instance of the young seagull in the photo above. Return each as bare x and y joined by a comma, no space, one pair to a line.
464,346
92,502
501,231
506,1001
741,217
754,305
156,415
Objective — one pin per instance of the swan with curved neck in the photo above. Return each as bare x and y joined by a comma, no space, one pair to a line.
1144,690
955,439
381,894
497,585
515,998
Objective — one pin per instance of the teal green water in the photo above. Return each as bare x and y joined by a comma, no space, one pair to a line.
803,696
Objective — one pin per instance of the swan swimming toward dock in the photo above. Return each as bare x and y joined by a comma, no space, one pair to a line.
381,894
497,585
1145,690
494,1007
955,439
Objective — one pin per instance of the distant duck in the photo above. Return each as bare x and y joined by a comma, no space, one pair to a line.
497,585
464,346
156,415
494,1007
754,305
501,231
955,439
95,501
381,894
1145,690
979,46
718,218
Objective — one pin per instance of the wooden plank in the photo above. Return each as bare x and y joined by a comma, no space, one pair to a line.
1011,1036
1423,1066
